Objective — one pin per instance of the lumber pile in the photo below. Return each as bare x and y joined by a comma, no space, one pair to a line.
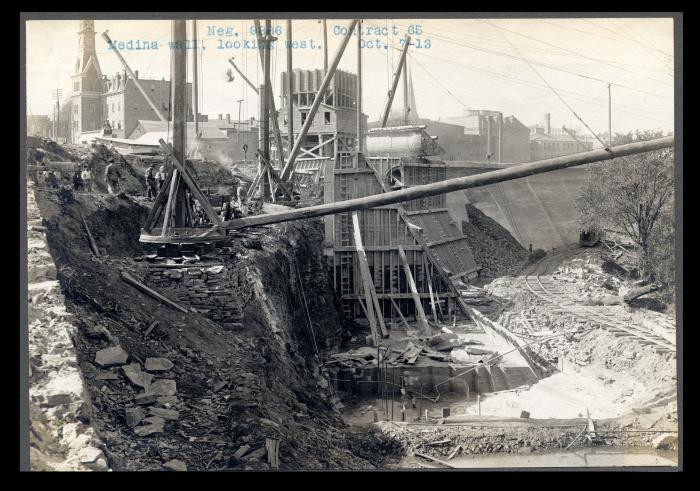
473,295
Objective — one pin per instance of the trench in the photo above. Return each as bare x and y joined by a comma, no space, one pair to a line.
250,353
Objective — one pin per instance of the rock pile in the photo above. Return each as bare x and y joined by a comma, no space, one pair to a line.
494,248
56,389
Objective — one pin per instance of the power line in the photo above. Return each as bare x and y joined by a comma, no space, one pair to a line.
437,81
604,62
575,95
545,65
552,88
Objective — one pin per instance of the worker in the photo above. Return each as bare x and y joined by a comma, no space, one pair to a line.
151,190
86,175
77,180
531,249
112,176
52,180
241,194
45,178
160,177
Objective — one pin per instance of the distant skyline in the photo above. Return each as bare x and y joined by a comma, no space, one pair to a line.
496,64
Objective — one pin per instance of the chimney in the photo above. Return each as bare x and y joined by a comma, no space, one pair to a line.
136,73
547,124
220,116
228,118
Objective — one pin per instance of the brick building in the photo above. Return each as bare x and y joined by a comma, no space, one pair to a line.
547,142
97,98
475,135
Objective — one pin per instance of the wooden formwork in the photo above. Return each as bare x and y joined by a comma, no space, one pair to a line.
384,229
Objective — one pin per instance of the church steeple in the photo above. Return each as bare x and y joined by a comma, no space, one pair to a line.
86,45
86,112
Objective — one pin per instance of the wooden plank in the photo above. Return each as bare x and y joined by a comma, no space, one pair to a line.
91,240
425,212
441,462
432,300
368,306
398,310
446,241
169,206
159,202
396,296
422,321
194,189
370,292
378,248
152,293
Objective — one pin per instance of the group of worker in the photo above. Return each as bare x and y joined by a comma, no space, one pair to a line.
81,180
154,180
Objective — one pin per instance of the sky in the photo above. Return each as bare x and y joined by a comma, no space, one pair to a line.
522,67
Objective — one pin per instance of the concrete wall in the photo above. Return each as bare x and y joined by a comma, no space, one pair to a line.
537,210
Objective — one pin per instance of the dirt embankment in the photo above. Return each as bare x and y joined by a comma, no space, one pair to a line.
212,177
495,250
226,390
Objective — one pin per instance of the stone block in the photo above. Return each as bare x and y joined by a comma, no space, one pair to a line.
158,364
111,356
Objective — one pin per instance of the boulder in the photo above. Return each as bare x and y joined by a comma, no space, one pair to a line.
158,364
163,387
111,356
133,416
136,376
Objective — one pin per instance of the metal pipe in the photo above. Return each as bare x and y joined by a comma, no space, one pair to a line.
392,92
150,102
317,102
456,184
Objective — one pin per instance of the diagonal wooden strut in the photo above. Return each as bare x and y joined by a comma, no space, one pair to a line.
191,184
420,313
370,291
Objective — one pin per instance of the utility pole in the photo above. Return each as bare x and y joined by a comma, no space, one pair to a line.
609,116
325,47
290,88
265,112
57,119
195,102
406,109
178,81
359,87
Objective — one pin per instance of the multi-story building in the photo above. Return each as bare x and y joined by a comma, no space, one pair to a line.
547,142
97,99
479,136
86,99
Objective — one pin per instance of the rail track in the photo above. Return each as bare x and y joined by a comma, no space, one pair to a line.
549,291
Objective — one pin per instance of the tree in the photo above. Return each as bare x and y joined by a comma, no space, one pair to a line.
633,195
